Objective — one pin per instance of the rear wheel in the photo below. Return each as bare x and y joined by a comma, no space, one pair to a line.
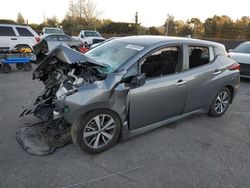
97,131
6,68
27,67
221,102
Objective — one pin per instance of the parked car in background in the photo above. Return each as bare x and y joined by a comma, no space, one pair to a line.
54,40
14,37
130,85
241,54
51,30
100,43
90,37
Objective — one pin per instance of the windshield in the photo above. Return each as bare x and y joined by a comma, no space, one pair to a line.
92,34
51,30
113,54
243,48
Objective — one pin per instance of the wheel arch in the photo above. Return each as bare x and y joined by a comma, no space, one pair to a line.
231,88
24,45
95,109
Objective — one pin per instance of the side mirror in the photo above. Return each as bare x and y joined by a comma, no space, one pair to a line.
230,50
138,80
82,36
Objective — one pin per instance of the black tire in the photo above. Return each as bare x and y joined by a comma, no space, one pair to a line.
27,67
220,104
87,124
6,68
19,66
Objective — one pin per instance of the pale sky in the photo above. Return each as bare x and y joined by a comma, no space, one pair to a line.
151,12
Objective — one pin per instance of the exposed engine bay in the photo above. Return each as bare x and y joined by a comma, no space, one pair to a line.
63,71
66,69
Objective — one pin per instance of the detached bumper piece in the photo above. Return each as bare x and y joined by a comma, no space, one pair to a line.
43,138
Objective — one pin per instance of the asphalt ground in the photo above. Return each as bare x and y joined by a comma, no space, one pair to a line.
199,151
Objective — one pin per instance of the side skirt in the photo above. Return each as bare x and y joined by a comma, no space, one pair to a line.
142,130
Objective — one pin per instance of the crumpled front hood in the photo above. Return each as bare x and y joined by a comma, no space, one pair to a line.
62,53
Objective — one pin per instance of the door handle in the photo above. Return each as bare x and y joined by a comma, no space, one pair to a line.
13,39
180,82
217,72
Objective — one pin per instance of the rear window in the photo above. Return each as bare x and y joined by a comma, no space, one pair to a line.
243,48
6,31
24,32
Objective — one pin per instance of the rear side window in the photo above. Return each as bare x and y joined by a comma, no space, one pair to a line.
6,31
24,32
198,56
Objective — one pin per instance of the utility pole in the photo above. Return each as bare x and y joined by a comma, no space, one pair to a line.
167,27
44,18
80,9
136,17
72,8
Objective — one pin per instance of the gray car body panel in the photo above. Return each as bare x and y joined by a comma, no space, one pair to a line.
159,100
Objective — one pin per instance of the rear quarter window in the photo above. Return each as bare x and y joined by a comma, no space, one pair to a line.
24,32
6,31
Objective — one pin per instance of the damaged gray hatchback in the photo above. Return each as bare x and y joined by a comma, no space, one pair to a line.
130,85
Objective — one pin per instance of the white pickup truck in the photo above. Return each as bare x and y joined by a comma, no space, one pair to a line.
90,37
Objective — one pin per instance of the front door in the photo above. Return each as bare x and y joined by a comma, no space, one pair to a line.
164,93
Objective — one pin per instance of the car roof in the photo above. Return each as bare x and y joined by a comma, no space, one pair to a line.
52,28
15,25
149,40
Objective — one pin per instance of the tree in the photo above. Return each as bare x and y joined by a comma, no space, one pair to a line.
52,22
197,25
4,21
153,31
20,19
170,26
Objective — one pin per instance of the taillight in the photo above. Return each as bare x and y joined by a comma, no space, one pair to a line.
37,39
235,66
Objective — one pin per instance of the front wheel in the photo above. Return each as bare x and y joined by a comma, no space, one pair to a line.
96,131
221,102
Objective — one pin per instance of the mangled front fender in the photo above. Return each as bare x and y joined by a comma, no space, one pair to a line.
107,94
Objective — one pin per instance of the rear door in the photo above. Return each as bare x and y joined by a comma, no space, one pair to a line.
202,73
8,37
25,36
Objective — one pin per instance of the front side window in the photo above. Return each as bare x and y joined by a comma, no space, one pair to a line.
51,38
63,38
198,56
6,31
24,32
162,62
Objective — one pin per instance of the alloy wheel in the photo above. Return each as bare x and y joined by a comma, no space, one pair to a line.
222,102
99,131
